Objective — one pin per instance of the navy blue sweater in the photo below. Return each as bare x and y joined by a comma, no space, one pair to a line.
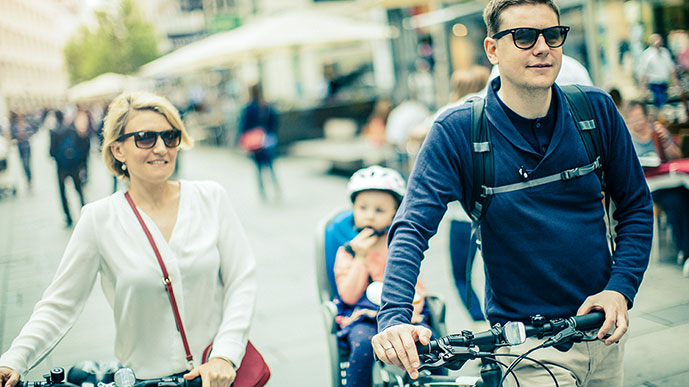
545,248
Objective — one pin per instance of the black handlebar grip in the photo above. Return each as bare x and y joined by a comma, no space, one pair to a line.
424,349
592,320
193,383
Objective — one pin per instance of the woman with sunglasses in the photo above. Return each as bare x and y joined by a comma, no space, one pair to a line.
198,236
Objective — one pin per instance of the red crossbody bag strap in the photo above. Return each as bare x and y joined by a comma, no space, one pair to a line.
166,280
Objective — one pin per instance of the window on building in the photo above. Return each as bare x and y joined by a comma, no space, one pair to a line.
191,5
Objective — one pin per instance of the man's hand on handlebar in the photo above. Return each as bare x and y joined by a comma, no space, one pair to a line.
614,304
397,345
8,377
217,372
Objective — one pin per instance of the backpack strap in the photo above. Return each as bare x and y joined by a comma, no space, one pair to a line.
484,174
482,157
582,111
564,175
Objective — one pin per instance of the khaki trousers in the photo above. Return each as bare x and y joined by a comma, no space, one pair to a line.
587,364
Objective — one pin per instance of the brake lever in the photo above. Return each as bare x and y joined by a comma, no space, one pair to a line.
448,357
564,340
453,364
435,360
431,364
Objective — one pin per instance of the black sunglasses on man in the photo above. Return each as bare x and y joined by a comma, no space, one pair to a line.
525,37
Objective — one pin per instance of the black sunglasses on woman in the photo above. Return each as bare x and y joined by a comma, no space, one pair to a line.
146,139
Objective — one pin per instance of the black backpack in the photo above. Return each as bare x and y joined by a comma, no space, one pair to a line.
484,170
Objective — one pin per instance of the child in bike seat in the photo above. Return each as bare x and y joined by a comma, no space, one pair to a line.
376,193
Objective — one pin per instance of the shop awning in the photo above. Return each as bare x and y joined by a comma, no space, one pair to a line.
102,87
288,30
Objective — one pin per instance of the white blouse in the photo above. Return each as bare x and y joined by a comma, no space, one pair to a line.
210,264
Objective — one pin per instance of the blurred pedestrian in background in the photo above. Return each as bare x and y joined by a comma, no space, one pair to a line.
656,70
100,136
21,130
654,144
402,121
85,129
258,135
679,42
374,130
6,186
422,84
69,146
616,96
467,83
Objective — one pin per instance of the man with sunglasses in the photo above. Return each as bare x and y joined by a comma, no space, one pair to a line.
544,245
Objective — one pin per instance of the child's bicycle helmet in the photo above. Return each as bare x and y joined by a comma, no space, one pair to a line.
377,178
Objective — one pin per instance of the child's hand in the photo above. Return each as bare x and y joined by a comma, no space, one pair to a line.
363,241
662,133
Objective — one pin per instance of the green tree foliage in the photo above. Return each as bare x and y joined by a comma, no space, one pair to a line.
121,43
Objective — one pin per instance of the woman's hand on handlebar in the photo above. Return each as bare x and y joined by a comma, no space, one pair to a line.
614,304
217,372
397,345
8,377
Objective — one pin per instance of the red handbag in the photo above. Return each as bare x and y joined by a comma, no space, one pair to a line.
253,370
253,140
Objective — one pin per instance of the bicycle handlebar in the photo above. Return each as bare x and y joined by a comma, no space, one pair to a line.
169,382
589,321
539,327
495,337
56,379
159,382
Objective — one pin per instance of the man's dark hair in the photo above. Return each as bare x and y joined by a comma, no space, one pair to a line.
491,14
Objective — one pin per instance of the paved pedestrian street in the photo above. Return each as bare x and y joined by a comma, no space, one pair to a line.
287,326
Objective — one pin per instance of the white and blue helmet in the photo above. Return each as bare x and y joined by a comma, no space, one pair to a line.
377,178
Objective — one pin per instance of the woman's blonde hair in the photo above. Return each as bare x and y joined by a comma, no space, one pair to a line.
119,113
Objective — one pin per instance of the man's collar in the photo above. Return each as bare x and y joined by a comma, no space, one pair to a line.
501,122
516,118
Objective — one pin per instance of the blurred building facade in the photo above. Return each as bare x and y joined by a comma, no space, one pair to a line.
180,22
32,70
431,40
